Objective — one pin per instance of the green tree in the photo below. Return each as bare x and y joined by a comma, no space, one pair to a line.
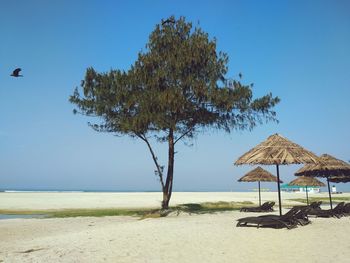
176,88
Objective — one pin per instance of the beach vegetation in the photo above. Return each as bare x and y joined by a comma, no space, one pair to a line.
177,88
142,213
325,200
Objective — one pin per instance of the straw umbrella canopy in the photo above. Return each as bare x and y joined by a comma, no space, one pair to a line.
339,179
258,175
277,150
306,181
333,169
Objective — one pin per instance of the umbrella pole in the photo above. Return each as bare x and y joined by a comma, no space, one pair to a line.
279,190
329,192
307,196
259,194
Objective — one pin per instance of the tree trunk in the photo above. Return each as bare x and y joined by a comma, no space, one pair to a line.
168,187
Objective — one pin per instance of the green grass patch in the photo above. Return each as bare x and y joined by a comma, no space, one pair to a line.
96,212
325,200
212,207
197,208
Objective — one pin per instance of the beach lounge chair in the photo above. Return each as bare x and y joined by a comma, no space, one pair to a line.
313,205
265,207
299,215
302,216
290,220
337,211
346,209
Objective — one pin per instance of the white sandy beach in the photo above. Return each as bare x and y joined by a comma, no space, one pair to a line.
67,200
183,238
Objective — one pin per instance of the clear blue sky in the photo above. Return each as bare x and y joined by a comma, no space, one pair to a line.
298,50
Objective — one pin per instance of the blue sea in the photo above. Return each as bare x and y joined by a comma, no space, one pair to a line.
6,216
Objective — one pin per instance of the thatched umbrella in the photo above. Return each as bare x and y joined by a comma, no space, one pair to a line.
306,181
277,150
331,168
339,179
258,175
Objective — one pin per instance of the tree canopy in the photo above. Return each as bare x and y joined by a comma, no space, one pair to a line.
175,88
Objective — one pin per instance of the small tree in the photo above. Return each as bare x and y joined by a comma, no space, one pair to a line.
176,88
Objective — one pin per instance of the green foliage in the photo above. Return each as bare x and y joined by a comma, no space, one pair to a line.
211,207
325,200
177,83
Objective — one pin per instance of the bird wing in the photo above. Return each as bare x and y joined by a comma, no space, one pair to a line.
16,71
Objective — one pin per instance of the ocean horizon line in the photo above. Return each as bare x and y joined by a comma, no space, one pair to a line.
110,191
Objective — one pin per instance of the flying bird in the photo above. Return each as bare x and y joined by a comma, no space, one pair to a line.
170,20
15,73
240,75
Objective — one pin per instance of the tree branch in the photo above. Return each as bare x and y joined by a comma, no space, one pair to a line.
160,173
85,114
183,135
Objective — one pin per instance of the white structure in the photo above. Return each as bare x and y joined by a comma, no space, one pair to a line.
300,189
309,190
334,189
